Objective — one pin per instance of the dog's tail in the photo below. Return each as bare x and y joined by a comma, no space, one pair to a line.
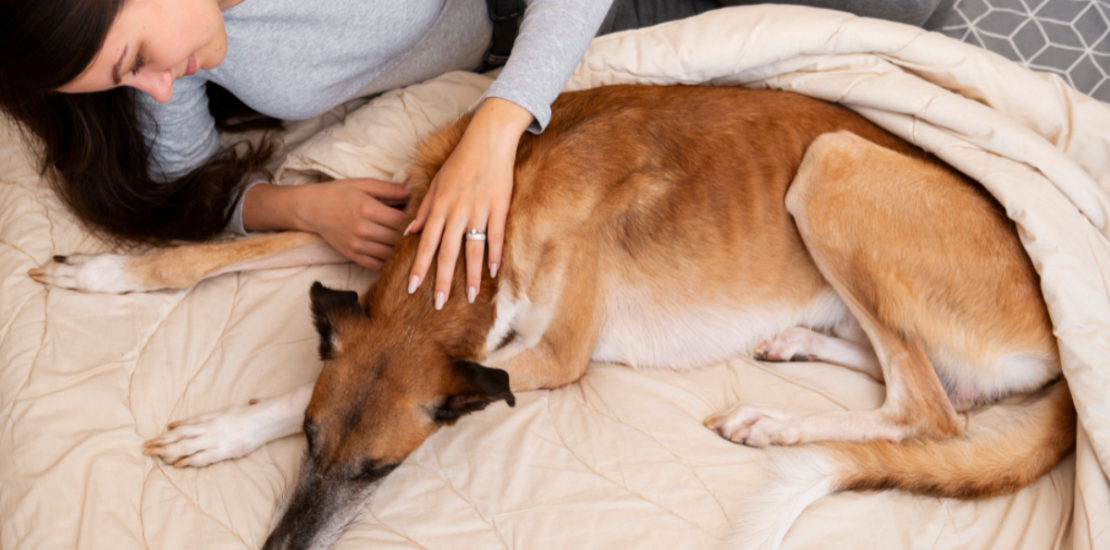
1005,448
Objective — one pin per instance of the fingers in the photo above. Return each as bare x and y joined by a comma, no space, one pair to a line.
369,253
474,249
495,235
417,224
378,213
447,235
373,231
369,262
448,254
383,189
425,251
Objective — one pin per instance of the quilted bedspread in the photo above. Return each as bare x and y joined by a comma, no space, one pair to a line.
617,460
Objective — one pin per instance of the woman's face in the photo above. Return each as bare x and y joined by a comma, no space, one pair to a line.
154,42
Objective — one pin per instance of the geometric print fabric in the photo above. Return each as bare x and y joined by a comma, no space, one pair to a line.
1068,37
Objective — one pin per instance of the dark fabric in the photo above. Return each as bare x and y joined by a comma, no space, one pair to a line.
634,14
913,12
506,16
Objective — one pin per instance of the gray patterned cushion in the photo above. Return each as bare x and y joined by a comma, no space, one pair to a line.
1066,37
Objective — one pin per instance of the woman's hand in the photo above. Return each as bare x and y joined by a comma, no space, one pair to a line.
471,191
348,214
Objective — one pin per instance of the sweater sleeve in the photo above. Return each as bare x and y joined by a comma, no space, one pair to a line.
552,39
181,132
182,136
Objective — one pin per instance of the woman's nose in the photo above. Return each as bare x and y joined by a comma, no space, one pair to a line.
159,85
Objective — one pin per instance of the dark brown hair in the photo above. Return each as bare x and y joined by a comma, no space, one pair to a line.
93,151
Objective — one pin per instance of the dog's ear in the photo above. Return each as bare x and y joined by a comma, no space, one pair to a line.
475,388
329,308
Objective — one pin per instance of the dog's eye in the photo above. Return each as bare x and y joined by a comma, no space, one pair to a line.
372,471
310,434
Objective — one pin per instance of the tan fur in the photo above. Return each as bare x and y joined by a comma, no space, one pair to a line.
951,274
1008,447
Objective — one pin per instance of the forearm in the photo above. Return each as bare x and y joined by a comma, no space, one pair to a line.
553,36
268,207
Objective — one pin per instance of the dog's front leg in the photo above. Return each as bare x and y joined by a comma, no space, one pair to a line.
801,343
212,437
184,266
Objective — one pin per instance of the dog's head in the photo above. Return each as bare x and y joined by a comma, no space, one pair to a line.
388,383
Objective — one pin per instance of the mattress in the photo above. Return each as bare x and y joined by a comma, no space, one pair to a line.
617,460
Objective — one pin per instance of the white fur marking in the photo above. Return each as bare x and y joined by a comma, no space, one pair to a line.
528,320
506,313
670,334
995,376
797,478
105,273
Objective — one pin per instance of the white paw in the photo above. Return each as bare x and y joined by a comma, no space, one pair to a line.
769,431
793,344
755,425
90,273
209,438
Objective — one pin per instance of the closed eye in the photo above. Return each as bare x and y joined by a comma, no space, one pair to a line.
371,471
310,433
138,64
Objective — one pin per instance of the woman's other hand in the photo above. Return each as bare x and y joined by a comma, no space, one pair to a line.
471,191
348,214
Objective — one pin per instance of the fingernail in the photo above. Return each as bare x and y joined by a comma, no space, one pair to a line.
414,282
492,270
440,299
406,234
471,293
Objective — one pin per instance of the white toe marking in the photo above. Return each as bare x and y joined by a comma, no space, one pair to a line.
105,273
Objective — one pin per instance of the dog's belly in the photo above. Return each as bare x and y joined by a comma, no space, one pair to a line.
643,332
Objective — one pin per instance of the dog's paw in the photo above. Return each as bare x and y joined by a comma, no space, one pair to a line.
105,273
755,425
769,431
209,438
793,344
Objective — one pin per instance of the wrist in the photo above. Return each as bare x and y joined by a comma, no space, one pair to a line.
502,120
268,207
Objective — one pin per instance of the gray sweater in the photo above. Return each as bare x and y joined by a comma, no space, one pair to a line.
295,59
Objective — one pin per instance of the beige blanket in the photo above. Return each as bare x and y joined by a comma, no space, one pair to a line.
617,460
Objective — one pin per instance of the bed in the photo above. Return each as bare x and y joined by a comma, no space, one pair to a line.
616,460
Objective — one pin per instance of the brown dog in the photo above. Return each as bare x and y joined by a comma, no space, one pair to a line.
673,227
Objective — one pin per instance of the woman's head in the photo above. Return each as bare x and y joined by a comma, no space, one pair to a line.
80,46
151,43
93,149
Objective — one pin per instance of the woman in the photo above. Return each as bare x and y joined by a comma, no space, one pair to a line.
118,92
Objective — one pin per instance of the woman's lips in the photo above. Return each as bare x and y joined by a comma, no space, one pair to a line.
192,66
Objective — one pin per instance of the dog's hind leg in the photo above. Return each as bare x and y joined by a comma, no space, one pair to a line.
186,265
868,243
